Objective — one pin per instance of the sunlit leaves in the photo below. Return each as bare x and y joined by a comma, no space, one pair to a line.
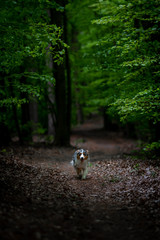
9,102
143,104
131,41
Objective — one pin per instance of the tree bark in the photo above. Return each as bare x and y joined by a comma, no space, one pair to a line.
68,71
50,96
51,101
62,127
61,131
4,131
16,117
25,116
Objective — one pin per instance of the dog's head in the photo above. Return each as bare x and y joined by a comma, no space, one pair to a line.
82,154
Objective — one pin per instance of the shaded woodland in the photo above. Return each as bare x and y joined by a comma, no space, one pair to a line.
65,61
79,74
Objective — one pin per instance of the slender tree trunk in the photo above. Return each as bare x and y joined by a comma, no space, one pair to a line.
80,117
51,96
33,112
25,116
16,117
51,101
75,48
4,132
17,124
68,71
106,122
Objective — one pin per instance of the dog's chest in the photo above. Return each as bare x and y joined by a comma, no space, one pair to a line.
81,164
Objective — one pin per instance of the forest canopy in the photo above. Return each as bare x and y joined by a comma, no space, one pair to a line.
106,52
119,59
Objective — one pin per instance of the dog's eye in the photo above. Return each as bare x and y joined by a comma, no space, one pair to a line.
85,154
78,153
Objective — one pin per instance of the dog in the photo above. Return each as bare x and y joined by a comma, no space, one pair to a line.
80,161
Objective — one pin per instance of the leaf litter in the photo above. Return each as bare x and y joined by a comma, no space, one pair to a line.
42,198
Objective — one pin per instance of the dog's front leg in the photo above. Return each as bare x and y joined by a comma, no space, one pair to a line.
85,171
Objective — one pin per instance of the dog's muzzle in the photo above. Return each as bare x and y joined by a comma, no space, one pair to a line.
82,159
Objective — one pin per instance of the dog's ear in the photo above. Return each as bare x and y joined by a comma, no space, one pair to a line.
87,152
78,151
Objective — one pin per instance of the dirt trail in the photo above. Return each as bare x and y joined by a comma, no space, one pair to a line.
46,200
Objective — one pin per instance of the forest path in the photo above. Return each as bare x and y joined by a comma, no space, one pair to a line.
107,204
45,199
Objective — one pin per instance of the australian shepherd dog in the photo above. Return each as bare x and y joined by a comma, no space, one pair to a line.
80,161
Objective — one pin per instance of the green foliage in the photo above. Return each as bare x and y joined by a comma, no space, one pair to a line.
38,129
114,54
49,139
153,146
118,57
148,150
27,42
27,39
3,150
135,47
143,104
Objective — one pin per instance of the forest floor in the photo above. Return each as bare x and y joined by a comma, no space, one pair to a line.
42,198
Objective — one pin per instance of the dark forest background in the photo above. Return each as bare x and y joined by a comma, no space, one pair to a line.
63,62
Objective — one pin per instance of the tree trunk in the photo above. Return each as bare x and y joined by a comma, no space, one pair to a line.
61,133
50,97
4,132
16,117
51,101
25,116
68,70
62,130
33,112
75,47
106,122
